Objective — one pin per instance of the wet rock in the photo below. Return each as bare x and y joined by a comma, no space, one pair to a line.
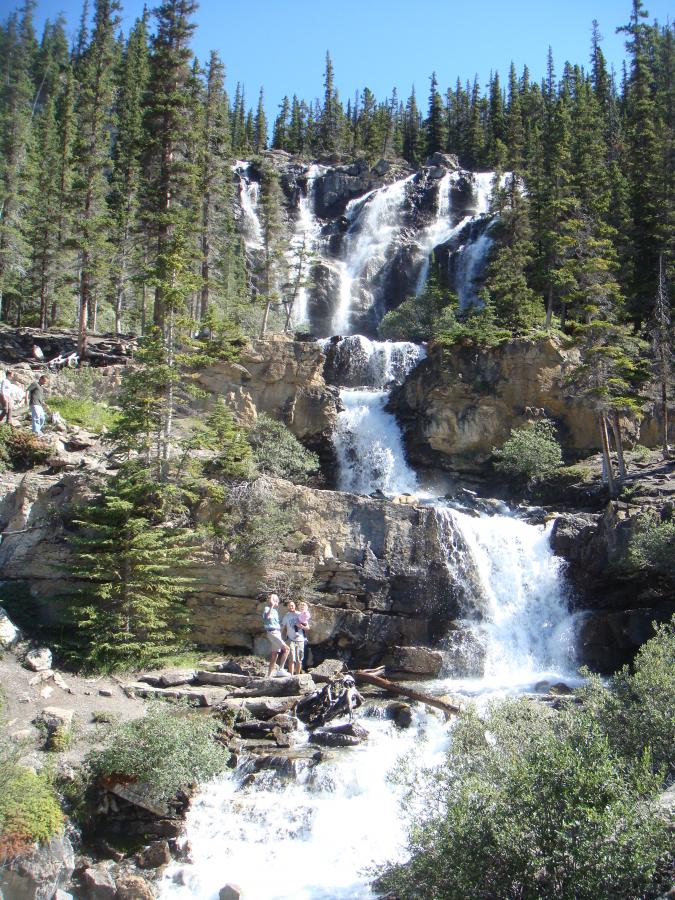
133,887
155,855
39,660
560,689
400,712
230,892
327,670
464,654
349,735
38,874
286,761
414,661
99,883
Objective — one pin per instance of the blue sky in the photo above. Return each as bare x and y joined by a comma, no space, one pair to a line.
281,44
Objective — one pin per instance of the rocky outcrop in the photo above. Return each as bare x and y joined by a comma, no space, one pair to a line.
40,873
373,571
281,377
458,405
617,607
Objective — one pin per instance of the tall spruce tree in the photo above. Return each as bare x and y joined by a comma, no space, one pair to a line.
126,173
436,128
95,76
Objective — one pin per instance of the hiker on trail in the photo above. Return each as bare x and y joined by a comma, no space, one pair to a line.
6,403
36,403
292,631
280,650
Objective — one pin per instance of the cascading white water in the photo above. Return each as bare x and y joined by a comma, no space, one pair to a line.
517,603
470,263
303,243
369,448
375,223
367,439
248,200
309,839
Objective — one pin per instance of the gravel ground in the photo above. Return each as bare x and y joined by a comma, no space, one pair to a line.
22,702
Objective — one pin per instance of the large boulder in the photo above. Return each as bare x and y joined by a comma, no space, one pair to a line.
9,633
40,873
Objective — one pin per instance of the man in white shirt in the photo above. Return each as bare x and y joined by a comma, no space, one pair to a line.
5,398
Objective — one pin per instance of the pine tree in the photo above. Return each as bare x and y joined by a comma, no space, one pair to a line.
260,126
16,100
412,137
297,138
644,129
662,345
280,135
126,174
330,122
436,123
132,610
95,75
215,186
273,260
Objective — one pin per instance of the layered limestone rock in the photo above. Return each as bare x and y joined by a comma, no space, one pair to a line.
373,571
281,377
458,405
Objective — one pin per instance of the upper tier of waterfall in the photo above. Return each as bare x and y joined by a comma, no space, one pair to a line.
348,272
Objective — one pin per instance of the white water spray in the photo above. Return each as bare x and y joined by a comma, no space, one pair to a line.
248,200
303,243
375,224
517,604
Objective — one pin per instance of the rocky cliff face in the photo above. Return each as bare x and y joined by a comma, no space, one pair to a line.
283,378
455,407
372,570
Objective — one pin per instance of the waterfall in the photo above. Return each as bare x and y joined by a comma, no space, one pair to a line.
470,263
303,243
375,222
515,596
367,439
248,201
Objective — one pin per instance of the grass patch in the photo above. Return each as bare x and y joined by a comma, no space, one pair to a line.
95,417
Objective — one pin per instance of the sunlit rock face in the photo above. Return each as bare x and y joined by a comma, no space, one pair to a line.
457,406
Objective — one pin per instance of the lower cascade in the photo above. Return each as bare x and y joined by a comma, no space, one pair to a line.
302,831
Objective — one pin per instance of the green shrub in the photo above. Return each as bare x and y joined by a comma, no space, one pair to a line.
166,750
531,804
21,449
531,453
640,453
29,810
414,319
277,452
637,712
88,414
652,547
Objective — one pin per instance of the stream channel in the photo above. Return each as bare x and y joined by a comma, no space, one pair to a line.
313,834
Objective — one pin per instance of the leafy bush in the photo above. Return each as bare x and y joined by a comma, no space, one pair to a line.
95,417
532,804
21,449
414,319
638,713
652,547
531,453
277,452
165,751
29,808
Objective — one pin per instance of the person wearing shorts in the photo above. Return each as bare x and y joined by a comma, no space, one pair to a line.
279,650
292,631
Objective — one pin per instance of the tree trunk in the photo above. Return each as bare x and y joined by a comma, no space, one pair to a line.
664,417
263,327
618,443
607,459
84,303
395,688
549,307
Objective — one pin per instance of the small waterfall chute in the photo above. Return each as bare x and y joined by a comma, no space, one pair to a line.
248,201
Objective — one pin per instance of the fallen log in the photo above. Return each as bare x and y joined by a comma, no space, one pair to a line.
393,687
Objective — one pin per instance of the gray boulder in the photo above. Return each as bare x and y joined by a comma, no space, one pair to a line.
39,874
9,633
99,883
39,660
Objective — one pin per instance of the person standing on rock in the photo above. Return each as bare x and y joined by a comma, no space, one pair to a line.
36,403
293,633
5,398
280,650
